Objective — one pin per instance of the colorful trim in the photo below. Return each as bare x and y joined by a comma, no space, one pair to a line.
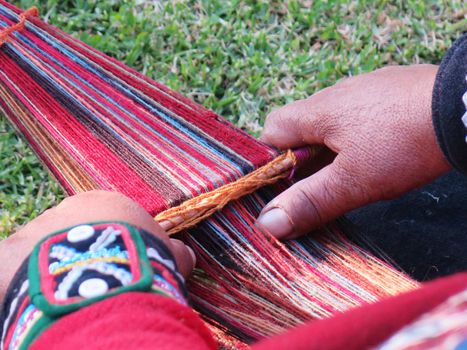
83,265
445,327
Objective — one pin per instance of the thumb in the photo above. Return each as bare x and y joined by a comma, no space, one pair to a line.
311,202
184,256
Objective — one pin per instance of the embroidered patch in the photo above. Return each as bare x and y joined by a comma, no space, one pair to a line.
79,266
167,283
87,263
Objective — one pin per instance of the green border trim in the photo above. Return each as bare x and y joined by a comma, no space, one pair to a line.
37,297
37,329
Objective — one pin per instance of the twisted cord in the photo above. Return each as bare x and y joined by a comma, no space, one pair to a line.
5,34
196,209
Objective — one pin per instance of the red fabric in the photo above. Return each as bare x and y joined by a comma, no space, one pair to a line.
127,181
234,138
367,326
145,321
129,321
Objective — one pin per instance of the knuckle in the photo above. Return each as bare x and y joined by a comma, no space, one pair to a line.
270,126
348,187
99,194
282,116
117,201
389,69
94,195
112,195
305,201
273,118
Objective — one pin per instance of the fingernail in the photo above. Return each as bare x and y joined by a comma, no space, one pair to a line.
277,222
166,225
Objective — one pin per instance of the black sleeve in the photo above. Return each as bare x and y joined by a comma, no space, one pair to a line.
449,105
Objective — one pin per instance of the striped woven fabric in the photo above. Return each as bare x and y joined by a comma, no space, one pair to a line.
132,134
96,123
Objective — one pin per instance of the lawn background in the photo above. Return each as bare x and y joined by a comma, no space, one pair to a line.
239,58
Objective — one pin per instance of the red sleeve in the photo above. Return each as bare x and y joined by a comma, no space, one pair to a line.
367,326
129,321
145,321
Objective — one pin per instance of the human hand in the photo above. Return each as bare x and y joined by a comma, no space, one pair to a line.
379,125
87,207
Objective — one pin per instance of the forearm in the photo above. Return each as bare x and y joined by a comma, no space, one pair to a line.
100,284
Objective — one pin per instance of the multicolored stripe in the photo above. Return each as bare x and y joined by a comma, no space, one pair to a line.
98,124
129,133
443,328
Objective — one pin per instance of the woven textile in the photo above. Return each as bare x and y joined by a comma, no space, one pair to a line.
96,123
132,134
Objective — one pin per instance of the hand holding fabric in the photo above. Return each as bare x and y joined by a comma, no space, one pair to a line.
86,207
379,125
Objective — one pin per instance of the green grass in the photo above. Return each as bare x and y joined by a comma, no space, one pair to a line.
239,58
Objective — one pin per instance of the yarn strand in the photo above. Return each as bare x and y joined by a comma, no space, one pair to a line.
98,124
196,209
7,32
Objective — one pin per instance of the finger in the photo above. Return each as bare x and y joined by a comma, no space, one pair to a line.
113,206
105,206
91,206
311,202
294,125
184,255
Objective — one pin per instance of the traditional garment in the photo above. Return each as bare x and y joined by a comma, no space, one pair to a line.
111,285
450,105
96,123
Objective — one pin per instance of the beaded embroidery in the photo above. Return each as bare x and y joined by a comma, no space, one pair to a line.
80,266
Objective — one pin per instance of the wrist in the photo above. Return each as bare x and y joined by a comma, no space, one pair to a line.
81,266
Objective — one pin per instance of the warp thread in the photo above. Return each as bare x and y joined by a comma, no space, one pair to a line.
96,123
196,209
123,132
6,33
